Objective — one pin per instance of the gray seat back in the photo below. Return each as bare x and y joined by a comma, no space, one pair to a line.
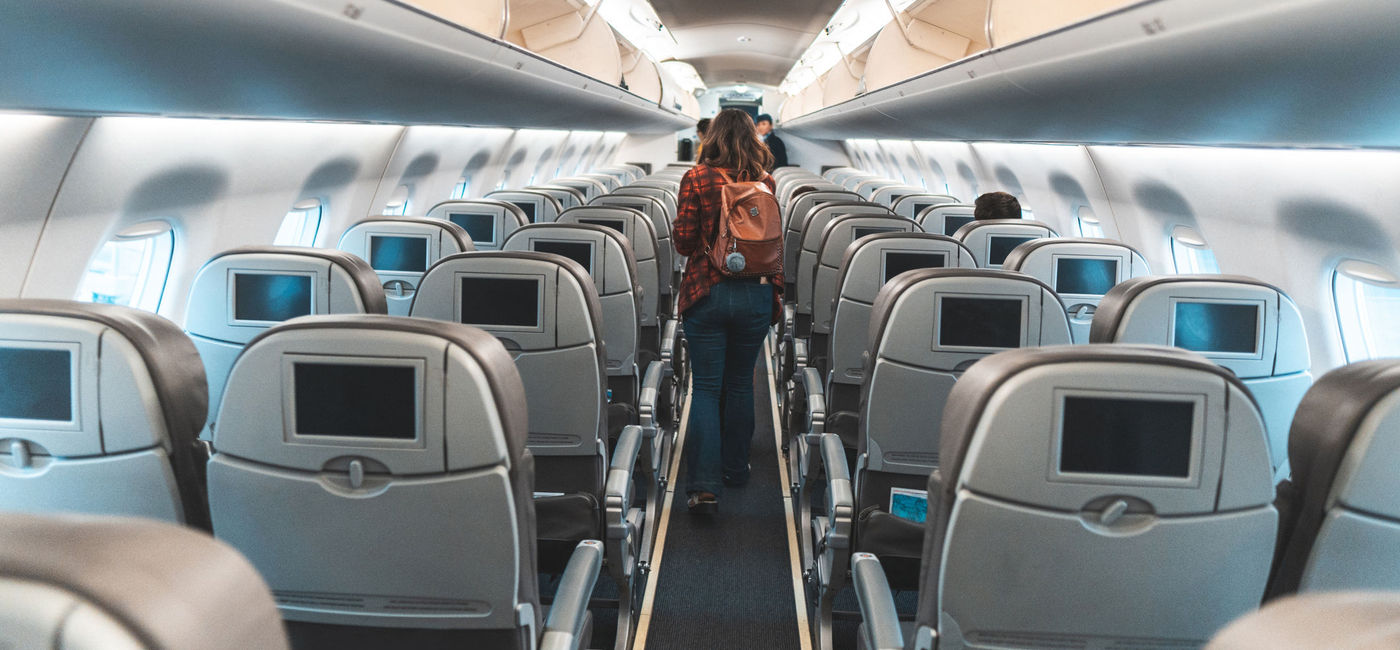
609,181
869,263
403,441
801,205
240,293
654,210
591,187
98,583
614,271
666,197
944,218
487,221
836,237
910,205
788,189
992,240
852,181
867,188
400,249
637,228
100,412
672,185
1248,326
927,327
1080,270
889,194
538,206
1144,467
567,197
545,311
809,238
1342,529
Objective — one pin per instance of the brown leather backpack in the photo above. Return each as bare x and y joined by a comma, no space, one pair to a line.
749,237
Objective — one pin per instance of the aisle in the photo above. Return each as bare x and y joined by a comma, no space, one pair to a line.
726,581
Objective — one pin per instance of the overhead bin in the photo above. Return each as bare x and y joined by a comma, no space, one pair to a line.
365,61
1202,72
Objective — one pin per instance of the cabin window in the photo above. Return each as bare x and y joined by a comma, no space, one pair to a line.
301,224
131,268
1368,306
1190,254
462,188
399,202
1087,223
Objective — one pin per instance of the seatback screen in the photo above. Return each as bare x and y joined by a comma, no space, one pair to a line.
952,223
403,254
1133,437
528,207
897,262
999,246
578,251
36,384
635,206
1085,276
894,198
1216,327
500,301
861,231
480,227
920,207
615,224
979,322
370,401
269,297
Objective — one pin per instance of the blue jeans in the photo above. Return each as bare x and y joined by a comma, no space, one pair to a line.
723,332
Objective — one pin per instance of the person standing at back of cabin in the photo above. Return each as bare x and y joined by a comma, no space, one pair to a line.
764,123
726,318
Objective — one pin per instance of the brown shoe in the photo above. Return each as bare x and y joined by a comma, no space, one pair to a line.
702,503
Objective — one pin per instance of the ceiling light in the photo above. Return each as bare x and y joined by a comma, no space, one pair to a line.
854,23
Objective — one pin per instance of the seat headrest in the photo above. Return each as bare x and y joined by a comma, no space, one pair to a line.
1338,436
161,585
1069,425
992,240
407,395
1061,262
336,282
962,315
869,262
1358,620
634,225
472,216
451,231
1246,325
110,354
842,231
612,264
945,218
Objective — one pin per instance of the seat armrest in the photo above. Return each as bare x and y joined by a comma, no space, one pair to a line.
789,316
840,497
816,400
651,391
569,613
618,497
668,341
877,610
799,353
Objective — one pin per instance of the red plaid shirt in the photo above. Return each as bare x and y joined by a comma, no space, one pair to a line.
696,219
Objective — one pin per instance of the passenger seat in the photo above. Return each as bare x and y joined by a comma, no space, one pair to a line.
488,222
1080,270
992,240
400,250
100,412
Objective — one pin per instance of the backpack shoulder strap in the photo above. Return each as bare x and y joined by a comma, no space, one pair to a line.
724,175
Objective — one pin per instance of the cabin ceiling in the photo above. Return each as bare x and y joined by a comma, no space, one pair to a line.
707,33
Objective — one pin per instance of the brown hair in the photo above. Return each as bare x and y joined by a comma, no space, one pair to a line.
996,205
732,142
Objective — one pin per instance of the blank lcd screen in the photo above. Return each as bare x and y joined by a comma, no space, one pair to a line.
501,301
1085,276
979,322
998,247
920,207
528,207
951,224
406,254
335,399
36,384
578,251
1135,437
897,262
861,231
1216,327
271,298
615,224
480,227
635,206
894,198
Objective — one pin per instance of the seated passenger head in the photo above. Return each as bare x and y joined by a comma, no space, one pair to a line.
732,143
702,126
997,205
764,123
